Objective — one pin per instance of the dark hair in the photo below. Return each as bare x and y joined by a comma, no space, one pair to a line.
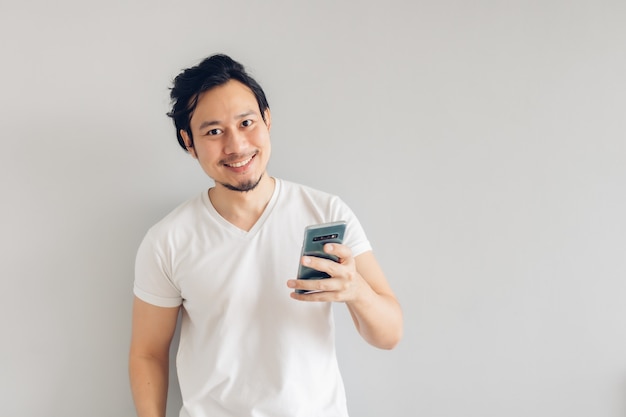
214,71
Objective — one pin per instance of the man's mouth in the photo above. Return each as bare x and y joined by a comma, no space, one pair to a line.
240,163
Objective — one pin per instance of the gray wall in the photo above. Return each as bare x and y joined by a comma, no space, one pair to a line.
481,143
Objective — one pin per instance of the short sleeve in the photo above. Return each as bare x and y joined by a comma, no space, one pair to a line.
153,281
355,237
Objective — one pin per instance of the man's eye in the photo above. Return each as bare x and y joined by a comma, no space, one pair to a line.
213,132
246,123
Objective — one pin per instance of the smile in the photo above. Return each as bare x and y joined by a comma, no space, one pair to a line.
240,164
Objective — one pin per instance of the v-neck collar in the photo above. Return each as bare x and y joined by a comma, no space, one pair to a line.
234,229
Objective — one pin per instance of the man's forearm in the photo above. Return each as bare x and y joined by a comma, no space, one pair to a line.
378,318
149,381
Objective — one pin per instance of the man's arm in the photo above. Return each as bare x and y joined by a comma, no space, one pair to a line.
361,284
376,313
153,329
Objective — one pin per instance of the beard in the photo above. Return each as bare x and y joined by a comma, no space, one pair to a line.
243,187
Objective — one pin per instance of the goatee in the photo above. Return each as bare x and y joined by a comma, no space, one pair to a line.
243,187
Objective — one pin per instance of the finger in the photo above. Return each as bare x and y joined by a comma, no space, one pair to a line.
340,251
321,264
316,296
312,284
320,291
304,284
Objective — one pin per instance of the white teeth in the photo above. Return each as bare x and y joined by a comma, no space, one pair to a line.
239,164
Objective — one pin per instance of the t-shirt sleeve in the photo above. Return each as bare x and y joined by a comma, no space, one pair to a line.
153,275
355,237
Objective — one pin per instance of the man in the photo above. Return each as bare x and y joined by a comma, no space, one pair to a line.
250,345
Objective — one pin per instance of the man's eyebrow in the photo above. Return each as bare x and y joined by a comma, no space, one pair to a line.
245,114
206,124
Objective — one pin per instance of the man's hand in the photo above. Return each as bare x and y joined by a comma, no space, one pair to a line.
361,284
345,283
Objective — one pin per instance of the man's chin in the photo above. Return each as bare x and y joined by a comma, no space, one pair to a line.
243,187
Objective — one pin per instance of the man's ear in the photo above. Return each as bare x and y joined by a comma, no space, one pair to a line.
268,118
188,143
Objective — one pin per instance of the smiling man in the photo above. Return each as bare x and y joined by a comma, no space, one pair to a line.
250,345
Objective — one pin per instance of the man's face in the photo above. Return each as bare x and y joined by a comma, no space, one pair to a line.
230,139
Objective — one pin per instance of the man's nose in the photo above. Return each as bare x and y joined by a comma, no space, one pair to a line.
236,142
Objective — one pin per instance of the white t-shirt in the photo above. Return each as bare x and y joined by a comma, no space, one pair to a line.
247,348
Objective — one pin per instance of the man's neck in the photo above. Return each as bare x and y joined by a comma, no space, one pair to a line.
242,209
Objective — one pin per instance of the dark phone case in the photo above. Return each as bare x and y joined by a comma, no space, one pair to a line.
315,237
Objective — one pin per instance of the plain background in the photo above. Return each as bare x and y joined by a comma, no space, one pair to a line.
482,144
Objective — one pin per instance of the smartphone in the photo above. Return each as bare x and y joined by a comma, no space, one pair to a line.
315,237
